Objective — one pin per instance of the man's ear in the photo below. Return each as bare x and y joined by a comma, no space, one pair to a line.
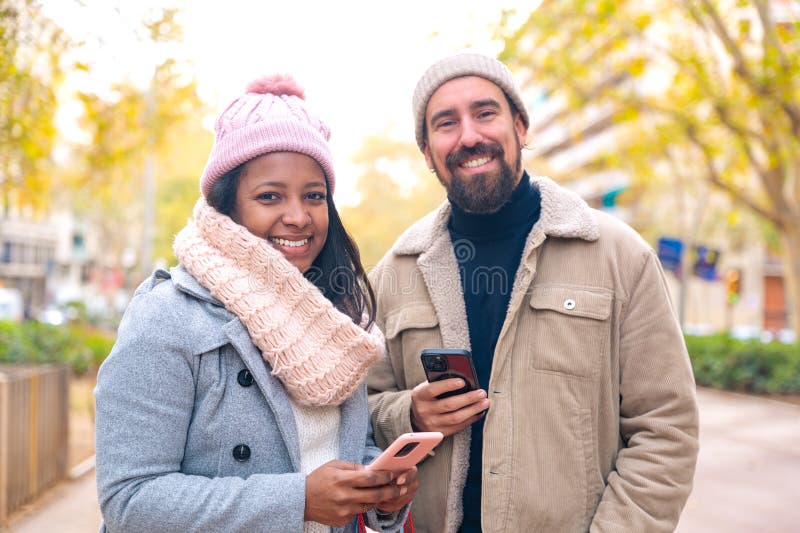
519,127
427,152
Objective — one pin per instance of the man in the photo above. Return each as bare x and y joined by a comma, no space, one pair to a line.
590,417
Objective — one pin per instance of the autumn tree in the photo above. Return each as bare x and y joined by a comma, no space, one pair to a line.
179,181
135,131
709,88
31,50
396,189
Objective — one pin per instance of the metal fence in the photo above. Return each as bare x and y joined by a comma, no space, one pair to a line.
34,409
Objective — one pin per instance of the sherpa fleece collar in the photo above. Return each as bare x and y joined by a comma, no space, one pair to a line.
564,214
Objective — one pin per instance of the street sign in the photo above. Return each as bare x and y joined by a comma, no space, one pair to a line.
669,252
705,264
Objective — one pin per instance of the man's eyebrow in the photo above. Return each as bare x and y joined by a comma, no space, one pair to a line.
486,102
441,114
477,104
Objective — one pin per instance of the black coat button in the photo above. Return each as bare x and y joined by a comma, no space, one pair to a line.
245,378
241,452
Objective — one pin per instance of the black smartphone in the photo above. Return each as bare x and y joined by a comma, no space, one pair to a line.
445,363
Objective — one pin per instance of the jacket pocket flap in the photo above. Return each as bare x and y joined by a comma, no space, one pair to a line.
409,317
569,301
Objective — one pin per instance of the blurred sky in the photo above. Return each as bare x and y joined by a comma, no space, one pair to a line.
357,59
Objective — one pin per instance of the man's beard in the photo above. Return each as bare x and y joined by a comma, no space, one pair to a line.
483,193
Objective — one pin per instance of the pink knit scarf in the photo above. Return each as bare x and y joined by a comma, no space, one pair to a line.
316,351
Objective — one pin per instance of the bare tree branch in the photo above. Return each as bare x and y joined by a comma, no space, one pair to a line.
612,81
739,63
723,112
744,135
773,177
771,40
595,128
715,178
767,24
720,108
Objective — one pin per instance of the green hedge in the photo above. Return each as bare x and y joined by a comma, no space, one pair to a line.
81,347
719,361
749,366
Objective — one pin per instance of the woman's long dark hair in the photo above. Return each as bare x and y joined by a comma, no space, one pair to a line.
337,270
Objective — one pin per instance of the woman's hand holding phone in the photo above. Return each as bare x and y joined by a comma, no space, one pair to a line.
406,480
400,457
339,490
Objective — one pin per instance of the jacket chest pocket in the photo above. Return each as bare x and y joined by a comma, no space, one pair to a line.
410,330
570,329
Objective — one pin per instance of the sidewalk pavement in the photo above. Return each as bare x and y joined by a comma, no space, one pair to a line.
745,482
748,467
70,507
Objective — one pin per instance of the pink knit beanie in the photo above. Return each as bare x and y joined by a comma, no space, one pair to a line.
271,116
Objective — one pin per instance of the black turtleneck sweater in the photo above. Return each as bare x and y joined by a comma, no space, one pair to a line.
488,249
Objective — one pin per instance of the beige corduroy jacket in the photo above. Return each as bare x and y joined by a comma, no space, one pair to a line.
593,424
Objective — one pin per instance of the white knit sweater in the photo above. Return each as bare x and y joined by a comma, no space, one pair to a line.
318,433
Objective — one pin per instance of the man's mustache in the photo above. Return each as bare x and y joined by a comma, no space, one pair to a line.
481,149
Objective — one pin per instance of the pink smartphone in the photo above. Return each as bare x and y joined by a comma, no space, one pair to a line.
406,451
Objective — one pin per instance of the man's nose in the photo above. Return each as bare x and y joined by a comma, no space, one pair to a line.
470,133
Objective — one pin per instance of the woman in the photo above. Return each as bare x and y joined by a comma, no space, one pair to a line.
234,398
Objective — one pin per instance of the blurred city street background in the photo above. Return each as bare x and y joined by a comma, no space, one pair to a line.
680,117
745,483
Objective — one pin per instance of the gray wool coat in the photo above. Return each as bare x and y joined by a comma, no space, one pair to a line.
182,390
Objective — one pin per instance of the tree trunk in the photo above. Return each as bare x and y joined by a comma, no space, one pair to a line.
791,268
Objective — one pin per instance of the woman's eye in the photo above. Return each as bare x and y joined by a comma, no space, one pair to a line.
316,196
267,196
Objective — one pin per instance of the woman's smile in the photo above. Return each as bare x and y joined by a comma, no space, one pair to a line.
282,197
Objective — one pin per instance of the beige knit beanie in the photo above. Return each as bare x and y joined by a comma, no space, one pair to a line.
456,66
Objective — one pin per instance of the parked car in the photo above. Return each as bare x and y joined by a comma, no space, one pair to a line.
53,315
11,304
743,333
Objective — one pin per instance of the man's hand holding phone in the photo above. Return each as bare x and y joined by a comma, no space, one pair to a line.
450,400
447,415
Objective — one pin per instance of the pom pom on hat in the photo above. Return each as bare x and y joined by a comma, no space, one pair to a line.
276,84
271,116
